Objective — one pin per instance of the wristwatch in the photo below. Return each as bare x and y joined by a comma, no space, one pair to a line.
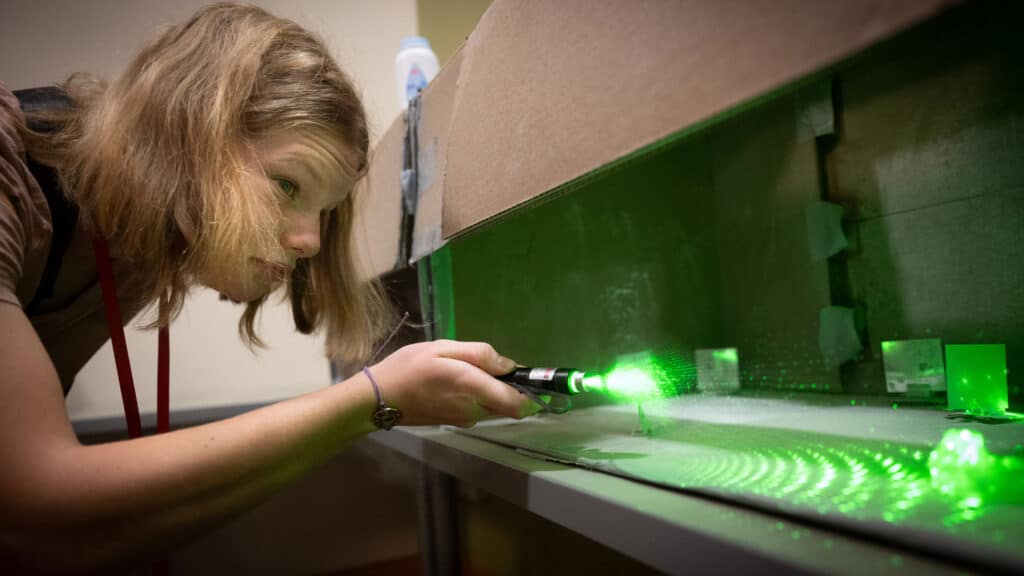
384,417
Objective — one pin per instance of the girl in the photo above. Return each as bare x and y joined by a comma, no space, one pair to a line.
224,156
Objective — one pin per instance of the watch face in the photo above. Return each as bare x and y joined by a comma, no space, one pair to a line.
387,417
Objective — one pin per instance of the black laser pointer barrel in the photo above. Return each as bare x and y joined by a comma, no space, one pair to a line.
555,380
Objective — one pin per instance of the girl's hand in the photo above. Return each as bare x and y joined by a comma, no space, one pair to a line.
449,382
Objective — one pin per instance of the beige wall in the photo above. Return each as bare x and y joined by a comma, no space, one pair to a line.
42,41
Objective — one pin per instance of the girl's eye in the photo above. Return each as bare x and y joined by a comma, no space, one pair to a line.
287,186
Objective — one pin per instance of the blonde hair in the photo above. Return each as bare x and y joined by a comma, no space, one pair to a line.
156,162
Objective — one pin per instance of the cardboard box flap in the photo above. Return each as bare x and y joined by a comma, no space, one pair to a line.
377,223
550,91
438,100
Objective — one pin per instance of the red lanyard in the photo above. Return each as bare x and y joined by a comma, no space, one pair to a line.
124,369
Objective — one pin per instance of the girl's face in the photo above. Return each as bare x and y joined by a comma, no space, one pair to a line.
308,170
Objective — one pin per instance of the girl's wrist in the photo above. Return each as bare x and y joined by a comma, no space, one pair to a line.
356,402
384,416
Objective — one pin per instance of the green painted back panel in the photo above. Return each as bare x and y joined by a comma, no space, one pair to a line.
701,241
624,263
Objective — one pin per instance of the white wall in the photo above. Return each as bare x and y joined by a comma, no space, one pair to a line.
42,41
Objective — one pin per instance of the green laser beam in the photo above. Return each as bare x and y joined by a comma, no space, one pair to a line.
645,376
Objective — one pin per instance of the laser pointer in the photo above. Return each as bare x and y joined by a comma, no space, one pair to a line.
566,381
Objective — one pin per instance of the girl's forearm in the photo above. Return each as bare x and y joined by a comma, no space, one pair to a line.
135,498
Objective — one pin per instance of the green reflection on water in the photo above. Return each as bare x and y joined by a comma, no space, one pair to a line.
958,481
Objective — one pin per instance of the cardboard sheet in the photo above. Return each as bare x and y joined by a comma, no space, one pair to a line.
553,90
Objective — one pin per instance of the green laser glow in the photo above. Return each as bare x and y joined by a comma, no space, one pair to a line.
971,477
958,463
645,376
726,355
976,378
593,383
632,383
572,382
